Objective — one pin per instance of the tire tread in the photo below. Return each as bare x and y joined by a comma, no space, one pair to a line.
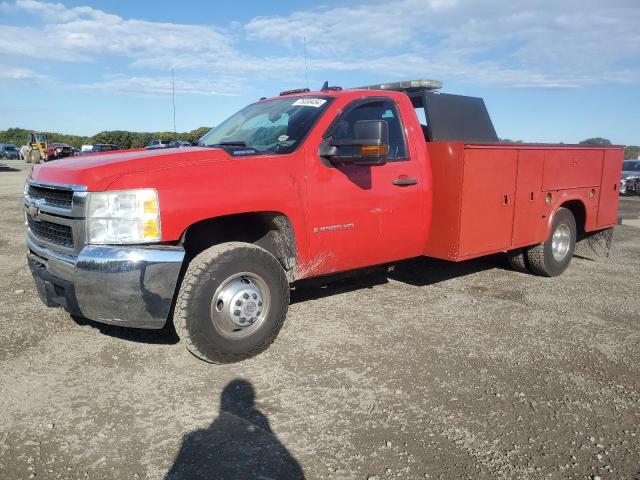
206,264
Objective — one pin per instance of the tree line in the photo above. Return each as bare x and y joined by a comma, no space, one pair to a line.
630,152
18,136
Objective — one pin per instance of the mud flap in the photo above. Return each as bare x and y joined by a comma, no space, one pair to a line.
594,245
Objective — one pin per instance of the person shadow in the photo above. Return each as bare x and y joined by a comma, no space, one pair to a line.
238,445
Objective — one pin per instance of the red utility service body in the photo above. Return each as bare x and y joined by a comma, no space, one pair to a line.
493,198
469,199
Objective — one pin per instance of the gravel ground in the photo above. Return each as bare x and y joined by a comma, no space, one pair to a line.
434,370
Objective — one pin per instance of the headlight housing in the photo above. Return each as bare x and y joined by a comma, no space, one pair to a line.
123,217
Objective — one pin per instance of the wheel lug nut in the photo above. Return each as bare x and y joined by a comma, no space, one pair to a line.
238,302
254,296
236,313
259,304
245,296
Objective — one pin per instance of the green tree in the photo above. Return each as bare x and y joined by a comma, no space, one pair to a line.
195,135
126,139
631,152
596,141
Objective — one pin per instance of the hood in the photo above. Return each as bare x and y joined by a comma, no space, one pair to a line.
630,173
98,171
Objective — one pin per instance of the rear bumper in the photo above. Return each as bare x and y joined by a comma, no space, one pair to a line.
128,286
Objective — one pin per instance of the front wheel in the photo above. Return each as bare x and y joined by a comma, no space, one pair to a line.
551,258
232,302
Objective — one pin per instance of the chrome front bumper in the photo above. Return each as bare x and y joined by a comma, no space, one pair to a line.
121,285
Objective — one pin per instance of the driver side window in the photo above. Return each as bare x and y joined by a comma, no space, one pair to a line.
374,110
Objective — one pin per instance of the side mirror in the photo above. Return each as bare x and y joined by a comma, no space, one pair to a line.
369,145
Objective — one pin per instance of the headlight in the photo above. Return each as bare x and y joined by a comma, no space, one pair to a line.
125,216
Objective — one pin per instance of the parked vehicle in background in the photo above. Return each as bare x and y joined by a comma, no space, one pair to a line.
57,150
9,151
102,147
303,185
24,151
76,152
159,144
180,143
630,178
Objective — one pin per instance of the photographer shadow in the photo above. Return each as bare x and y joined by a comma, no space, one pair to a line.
239,444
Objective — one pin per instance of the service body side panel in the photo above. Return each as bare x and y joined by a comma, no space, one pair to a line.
572,168
446,169
608,205
493,198
488,189
530,207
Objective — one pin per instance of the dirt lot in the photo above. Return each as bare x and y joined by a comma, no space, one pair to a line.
432,371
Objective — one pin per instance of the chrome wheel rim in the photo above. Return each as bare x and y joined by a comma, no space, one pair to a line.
560,242
240,305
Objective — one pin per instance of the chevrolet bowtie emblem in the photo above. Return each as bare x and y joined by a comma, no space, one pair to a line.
33,211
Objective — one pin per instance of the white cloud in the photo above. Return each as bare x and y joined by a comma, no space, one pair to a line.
85,34
8,72
541,43
547,43
160,85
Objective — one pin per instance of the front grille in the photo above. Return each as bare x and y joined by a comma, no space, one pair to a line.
51,232
56,197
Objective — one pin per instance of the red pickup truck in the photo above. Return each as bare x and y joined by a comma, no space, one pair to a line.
302,185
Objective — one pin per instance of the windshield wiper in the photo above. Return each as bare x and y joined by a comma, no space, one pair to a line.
228,144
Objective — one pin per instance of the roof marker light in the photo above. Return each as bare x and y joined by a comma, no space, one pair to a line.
293,92
407,85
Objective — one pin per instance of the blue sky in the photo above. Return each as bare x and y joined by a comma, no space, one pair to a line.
549,71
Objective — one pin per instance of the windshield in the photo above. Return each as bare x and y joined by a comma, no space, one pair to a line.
631,167
274,126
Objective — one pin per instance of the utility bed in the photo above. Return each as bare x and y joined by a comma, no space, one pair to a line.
496,197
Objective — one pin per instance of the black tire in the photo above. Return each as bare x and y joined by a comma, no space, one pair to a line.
206,274
518,260
541,258
35,156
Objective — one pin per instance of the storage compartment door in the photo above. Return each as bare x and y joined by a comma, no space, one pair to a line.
608,206
488,188
529,226
565,168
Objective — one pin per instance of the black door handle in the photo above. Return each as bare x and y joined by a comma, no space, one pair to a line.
404,181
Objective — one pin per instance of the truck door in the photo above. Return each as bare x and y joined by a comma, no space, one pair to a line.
365,215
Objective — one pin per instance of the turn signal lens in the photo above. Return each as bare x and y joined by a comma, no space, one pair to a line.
151,228
151,204
374,150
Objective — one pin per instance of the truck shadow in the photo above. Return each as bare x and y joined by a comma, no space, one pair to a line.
419,272
164,336
239,443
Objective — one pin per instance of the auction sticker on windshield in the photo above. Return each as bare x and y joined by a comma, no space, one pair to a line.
309,102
